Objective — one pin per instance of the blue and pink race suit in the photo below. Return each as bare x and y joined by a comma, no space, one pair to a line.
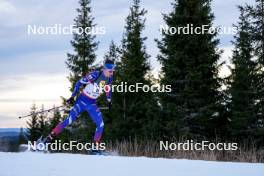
95,84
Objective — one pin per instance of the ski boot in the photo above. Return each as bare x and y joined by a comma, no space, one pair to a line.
95,150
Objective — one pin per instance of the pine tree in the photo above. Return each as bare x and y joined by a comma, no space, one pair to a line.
80,63
32,125
243,91
136,112
190,66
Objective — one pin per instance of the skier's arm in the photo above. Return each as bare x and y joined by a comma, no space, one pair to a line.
77,88
84,80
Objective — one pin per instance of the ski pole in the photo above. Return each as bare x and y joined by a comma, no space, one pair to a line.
102,108
48,110
39,112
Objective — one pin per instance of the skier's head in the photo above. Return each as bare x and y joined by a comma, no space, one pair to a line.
109,67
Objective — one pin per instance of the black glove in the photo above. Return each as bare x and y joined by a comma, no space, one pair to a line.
70,100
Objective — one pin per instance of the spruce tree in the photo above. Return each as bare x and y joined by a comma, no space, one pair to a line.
55,119
190,66
83,43
112,54
137,113
256,14
42,121
243,91
81,61
33,126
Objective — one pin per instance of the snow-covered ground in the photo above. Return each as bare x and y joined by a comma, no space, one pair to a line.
40,164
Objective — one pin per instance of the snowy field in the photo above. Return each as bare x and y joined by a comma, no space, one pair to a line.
39,164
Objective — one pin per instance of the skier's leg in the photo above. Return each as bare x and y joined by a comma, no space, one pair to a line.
75,111
97,118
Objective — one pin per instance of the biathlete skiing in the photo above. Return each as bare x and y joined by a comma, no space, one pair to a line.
95,83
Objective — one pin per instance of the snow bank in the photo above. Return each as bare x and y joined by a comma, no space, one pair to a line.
40,164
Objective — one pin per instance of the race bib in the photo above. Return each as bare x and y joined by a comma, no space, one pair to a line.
92,90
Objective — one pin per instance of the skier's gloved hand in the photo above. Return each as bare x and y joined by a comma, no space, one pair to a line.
70,100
